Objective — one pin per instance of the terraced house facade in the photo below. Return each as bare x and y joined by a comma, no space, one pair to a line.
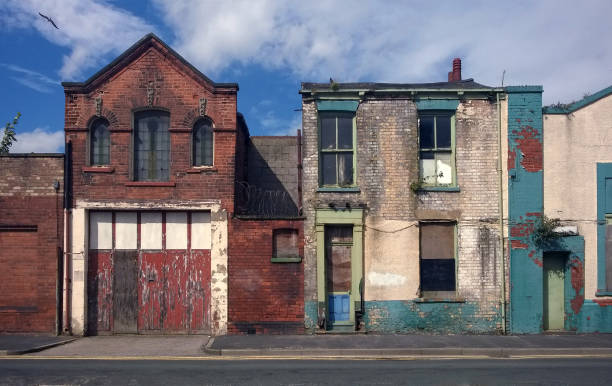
402,199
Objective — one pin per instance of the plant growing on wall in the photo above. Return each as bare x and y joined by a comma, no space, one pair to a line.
8,136
417,185
544,230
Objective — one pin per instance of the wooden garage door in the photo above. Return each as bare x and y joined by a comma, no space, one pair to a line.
149,271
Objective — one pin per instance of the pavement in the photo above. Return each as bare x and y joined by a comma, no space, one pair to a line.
307,346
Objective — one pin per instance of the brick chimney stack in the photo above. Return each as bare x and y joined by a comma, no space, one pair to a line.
455,75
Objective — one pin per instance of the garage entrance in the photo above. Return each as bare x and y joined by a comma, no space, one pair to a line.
149,272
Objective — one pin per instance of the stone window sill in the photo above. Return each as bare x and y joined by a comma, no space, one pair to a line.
439,300
293,259
439,189
98,169
339,189
603,293
150,184
202,169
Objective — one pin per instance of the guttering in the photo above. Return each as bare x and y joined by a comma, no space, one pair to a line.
401,90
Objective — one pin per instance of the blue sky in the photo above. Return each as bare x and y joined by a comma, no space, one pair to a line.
269,47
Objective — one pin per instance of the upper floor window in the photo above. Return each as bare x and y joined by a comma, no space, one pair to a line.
203,143
99,142
151,146
337,149
437,148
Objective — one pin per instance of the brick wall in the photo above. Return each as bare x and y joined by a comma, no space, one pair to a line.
152,77
387,164
31,236
264,297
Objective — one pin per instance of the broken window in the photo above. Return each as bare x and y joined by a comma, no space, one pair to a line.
437,250
203,143
286,244
99,142
151,146
337,142
436,148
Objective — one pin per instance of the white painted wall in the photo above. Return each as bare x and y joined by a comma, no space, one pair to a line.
573,144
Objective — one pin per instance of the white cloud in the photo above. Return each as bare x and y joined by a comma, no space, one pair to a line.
560,44
32,79
39,141
90,29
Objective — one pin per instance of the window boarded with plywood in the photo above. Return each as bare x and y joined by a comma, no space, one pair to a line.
437,247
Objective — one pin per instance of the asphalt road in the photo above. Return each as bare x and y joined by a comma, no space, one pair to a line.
560,371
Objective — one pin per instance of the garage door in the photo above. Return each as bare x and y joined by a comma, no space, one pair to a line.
149,272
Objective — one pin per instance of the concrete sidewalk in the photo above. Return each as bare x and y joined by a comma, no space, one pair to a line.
410,345
312,346
17,344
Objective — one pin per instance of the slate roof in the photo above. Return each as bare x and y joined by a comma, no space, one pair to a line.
466,84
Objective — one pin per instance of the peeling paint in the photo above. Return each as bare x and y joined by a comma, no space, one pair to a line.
530,144
386,279
577,275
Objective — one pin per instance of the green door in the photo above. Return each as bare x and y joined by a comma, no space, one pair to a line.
554,278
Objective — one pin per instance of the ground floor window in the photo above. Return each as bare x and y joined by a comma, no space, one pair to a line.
437,257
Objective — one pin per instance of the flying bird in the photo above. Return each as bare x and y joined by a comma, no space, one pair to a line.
49,20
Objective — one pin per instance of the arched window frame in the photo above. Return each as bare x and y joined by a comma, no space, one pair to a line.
95,147
201,161
153,174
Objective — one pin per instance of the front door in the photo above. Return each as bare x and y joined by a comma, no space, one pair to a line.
554,279
338,250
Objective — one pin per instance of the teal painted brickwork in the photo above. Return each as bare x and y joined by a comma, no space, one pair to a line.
310,315
437,104
525,197
596,316
398,316
339,105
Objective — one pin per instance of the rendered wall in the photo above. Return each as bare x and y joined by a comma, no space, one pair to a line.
574,142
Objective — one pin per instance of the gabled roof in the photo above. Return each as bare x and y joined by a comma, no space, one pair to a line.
571,107
467,84
135,50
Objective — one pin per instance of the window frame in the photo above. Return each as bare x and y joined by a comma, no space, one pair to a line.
446,295
193,147
90,152
285,258
436,150
133,163
336,150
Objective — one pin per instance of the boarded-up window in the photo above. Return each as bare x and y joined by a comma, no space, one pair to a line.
126,230
101,230
151,230
200,230
286,243
437,256
176,230
338,251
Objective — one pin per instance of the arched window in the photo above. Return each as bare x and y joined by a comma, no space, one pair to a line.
151,146
99,141
203,143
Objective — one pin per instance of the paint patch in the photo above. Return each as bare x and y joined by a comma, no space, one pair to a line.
386,279
511,159
577,274
529,143
603,302
522,229
518,244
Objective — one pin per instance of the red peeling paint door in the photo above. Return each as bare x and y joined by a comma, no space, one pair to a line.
149,272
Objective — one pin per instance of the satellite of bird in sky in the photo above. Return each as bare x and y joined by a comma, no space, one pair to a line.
49,20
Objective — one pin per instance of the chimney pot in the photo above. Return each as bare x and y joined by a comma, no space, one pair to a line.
455,75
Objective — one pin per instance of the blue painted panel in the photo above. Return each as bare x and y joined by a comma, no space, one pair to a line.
339,307
337,105
437,104
608,194
604,205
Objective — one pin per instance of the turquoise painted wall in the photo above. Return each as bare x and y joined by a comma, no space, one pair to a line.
525,197
398,316
311,310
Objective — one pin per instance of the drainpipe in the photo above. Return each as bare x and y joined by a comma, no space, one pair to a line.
501,216
299,166
67,245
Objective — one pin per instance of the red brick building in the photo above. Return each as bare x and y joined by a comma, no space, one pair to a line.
172,226
31,242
